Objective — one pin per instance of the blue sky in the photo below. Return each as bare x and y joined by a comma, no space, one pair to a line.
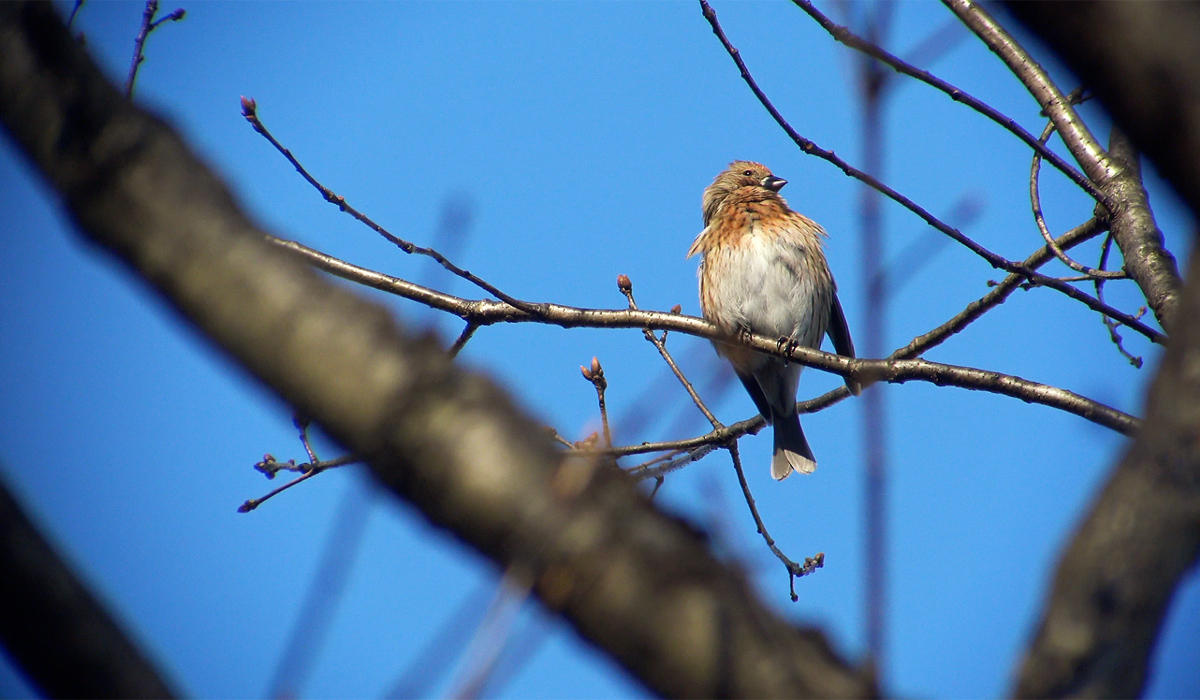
579,137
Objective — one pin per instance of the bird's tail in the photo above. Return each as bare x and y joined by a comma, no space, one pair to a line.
792,452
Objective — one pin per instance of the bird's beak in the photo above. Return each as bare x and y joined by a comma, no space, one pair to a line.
773,183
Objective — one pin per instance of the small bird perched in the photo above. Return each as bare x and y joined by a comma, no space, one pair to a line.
762,270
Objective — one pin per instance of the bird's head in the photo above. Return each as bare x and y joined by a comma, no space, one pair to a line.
739,174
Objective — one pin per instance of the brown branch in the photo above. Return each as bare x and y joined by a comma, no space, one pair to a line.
852,40
1112,327
595,375
1140,538
794,570
148,25
1134,229
660,344
1143,61
1075,134
635,582
486,312
1133,226
1035,200
993,259
55,629
250,112
461,341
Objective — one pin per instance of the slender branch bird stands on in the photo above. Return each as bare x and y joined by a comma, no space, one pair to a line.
762,270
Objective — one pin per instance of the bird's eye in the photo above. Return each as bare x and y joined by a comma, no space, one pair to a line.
747,173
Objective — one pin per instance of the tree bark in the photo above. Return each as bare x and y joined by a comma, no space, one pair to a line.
641,585
1143,61
1117,577
55,629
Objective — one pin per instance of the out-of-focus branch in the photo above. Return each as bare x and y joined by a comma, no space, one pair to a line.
1143,61
1141,536
1146,261
55,629
635,582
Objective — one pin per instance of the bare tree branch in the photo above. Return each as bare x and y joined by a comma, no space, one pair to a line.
1119,179
849,38
1133,228
149,24
1117,577
1143,61
250,112
485,312
1075,134
1035,199
66,642
637,583
997,261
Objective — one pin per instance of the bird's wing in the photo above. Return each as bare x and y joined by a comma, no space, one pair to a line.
756,393
843,345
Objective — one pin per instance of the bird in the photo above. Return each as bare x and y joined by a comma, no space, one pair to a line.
762,270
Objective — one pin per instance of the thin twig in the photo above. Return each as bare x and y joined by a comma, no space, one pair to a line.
138,43
253,503
794,570
302,423
269,466
487,312
845,36
1112,327
1086,150
997,261
1035,199
148,25
658,482
463,337
250,112
657,471
595,375
660,344
560,439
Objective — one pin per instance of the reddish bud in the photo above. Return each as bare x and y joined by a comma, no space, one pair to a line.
177,15
249,106
624,284
587,373
677,309
596,367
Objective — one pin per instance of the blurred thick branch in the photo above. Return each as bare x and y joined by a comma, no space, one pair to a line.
1120,571
639,584
55,629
